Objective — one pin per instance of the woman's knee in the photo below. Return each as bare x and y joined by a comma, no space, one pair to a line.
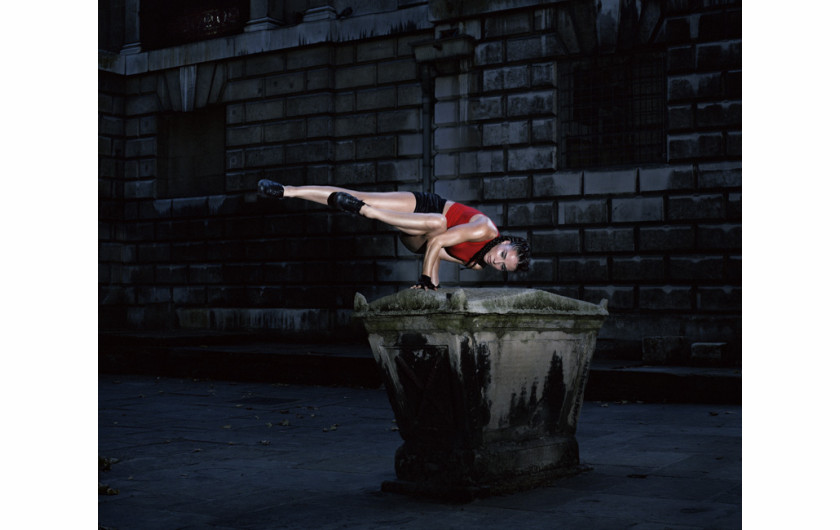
437,223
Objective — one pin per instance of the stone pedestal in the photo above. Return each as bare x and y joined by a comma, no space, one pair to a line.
486,385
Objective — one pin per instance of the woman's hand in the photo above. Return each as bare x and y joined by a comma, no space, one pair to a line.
425,283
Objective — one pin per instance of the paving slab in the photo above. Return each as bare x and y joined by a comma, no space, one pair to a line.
197,453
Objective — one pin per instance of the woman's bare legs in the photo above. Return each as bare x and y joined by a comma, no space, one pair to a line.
395,208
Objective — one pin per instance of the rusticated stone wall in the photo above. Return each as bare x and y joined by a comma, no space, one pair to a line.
412,96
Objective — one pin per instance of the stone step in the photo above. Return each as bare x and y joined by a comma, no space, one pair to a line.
249,357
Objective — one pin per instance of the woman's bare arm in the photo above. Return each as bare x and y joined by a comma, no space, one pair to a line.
478,229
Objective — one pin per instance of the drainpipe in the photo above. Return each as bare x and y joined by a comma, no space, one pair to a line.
428,91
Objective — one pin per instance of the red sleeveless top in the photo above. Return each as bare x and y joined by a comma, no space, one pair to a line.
458,214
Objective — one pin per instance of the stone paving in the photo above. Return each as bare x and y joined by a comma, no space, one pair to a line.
190,454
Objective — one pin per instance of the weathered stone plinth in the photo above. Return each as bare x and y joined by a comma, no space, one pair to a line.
486,385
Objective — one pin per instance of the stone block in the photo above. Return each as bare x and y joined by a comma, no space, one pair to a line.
531,104
398,71
409,144
732,85
459,190
558,184
532,158
511,24
284,84
696,268
355,125
582,270
694,207
719,55
244,89
490,161
376,147
459,137
447,113
719,175
693,146
666,349
706,353
609,182
489,53
609,240
377,98
556,241
637,209
355,76
374,246
142,104
237,136
320,103
375,50
136,147
695,86
308,57
724,114
582,212
401,271
485,108
505,133
719,299
506,188
315,151
409,95
680,59
264,110
617,297
282,131
680,117
406,120
544,130
666,178
399,171
638,268
544,74
665,298
530,214
733,144
264,156
733,206
537,47
344,102
319,127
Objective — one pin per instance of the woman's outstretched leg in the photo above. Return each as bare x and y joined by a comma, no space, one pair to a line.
395,208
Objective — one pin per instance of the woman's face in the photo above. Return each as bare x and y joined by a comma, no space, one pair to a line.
503,257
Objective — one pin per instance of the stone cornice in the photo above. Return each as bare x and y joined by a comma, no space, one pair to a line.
249,43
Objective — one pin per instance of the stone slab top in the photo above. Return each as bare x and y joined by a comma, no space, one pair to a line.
477,301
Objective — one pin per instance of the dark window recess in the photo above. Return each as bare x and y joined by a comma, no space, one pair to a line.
613,111
166,23
191,153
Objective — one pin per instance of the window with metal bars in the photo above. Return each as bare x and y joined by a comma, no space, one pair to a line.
613,111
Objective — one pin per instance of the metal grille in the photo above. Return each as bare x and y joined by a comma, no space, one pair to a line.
614,111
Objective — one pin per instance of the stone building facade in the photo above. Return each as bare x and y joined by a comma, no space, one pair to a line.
608,132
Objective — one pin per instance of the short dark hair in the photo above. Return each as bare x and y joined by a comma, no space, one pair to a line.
523,249
518,243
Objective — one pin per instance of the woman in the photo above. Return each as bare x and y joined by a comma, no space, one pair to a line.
430,225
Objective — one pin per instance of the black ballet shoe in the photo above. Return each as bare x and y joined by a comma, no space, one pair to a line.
345,202
272,189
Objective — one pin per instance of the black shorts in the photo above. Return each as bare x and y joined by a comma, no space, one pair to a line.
428,202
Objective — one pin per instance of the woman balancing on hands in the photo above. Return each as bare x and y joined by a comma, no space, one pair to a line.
430,225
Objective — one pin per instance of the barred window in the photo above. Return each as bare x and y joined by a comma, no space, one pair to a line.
613,111
166,23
